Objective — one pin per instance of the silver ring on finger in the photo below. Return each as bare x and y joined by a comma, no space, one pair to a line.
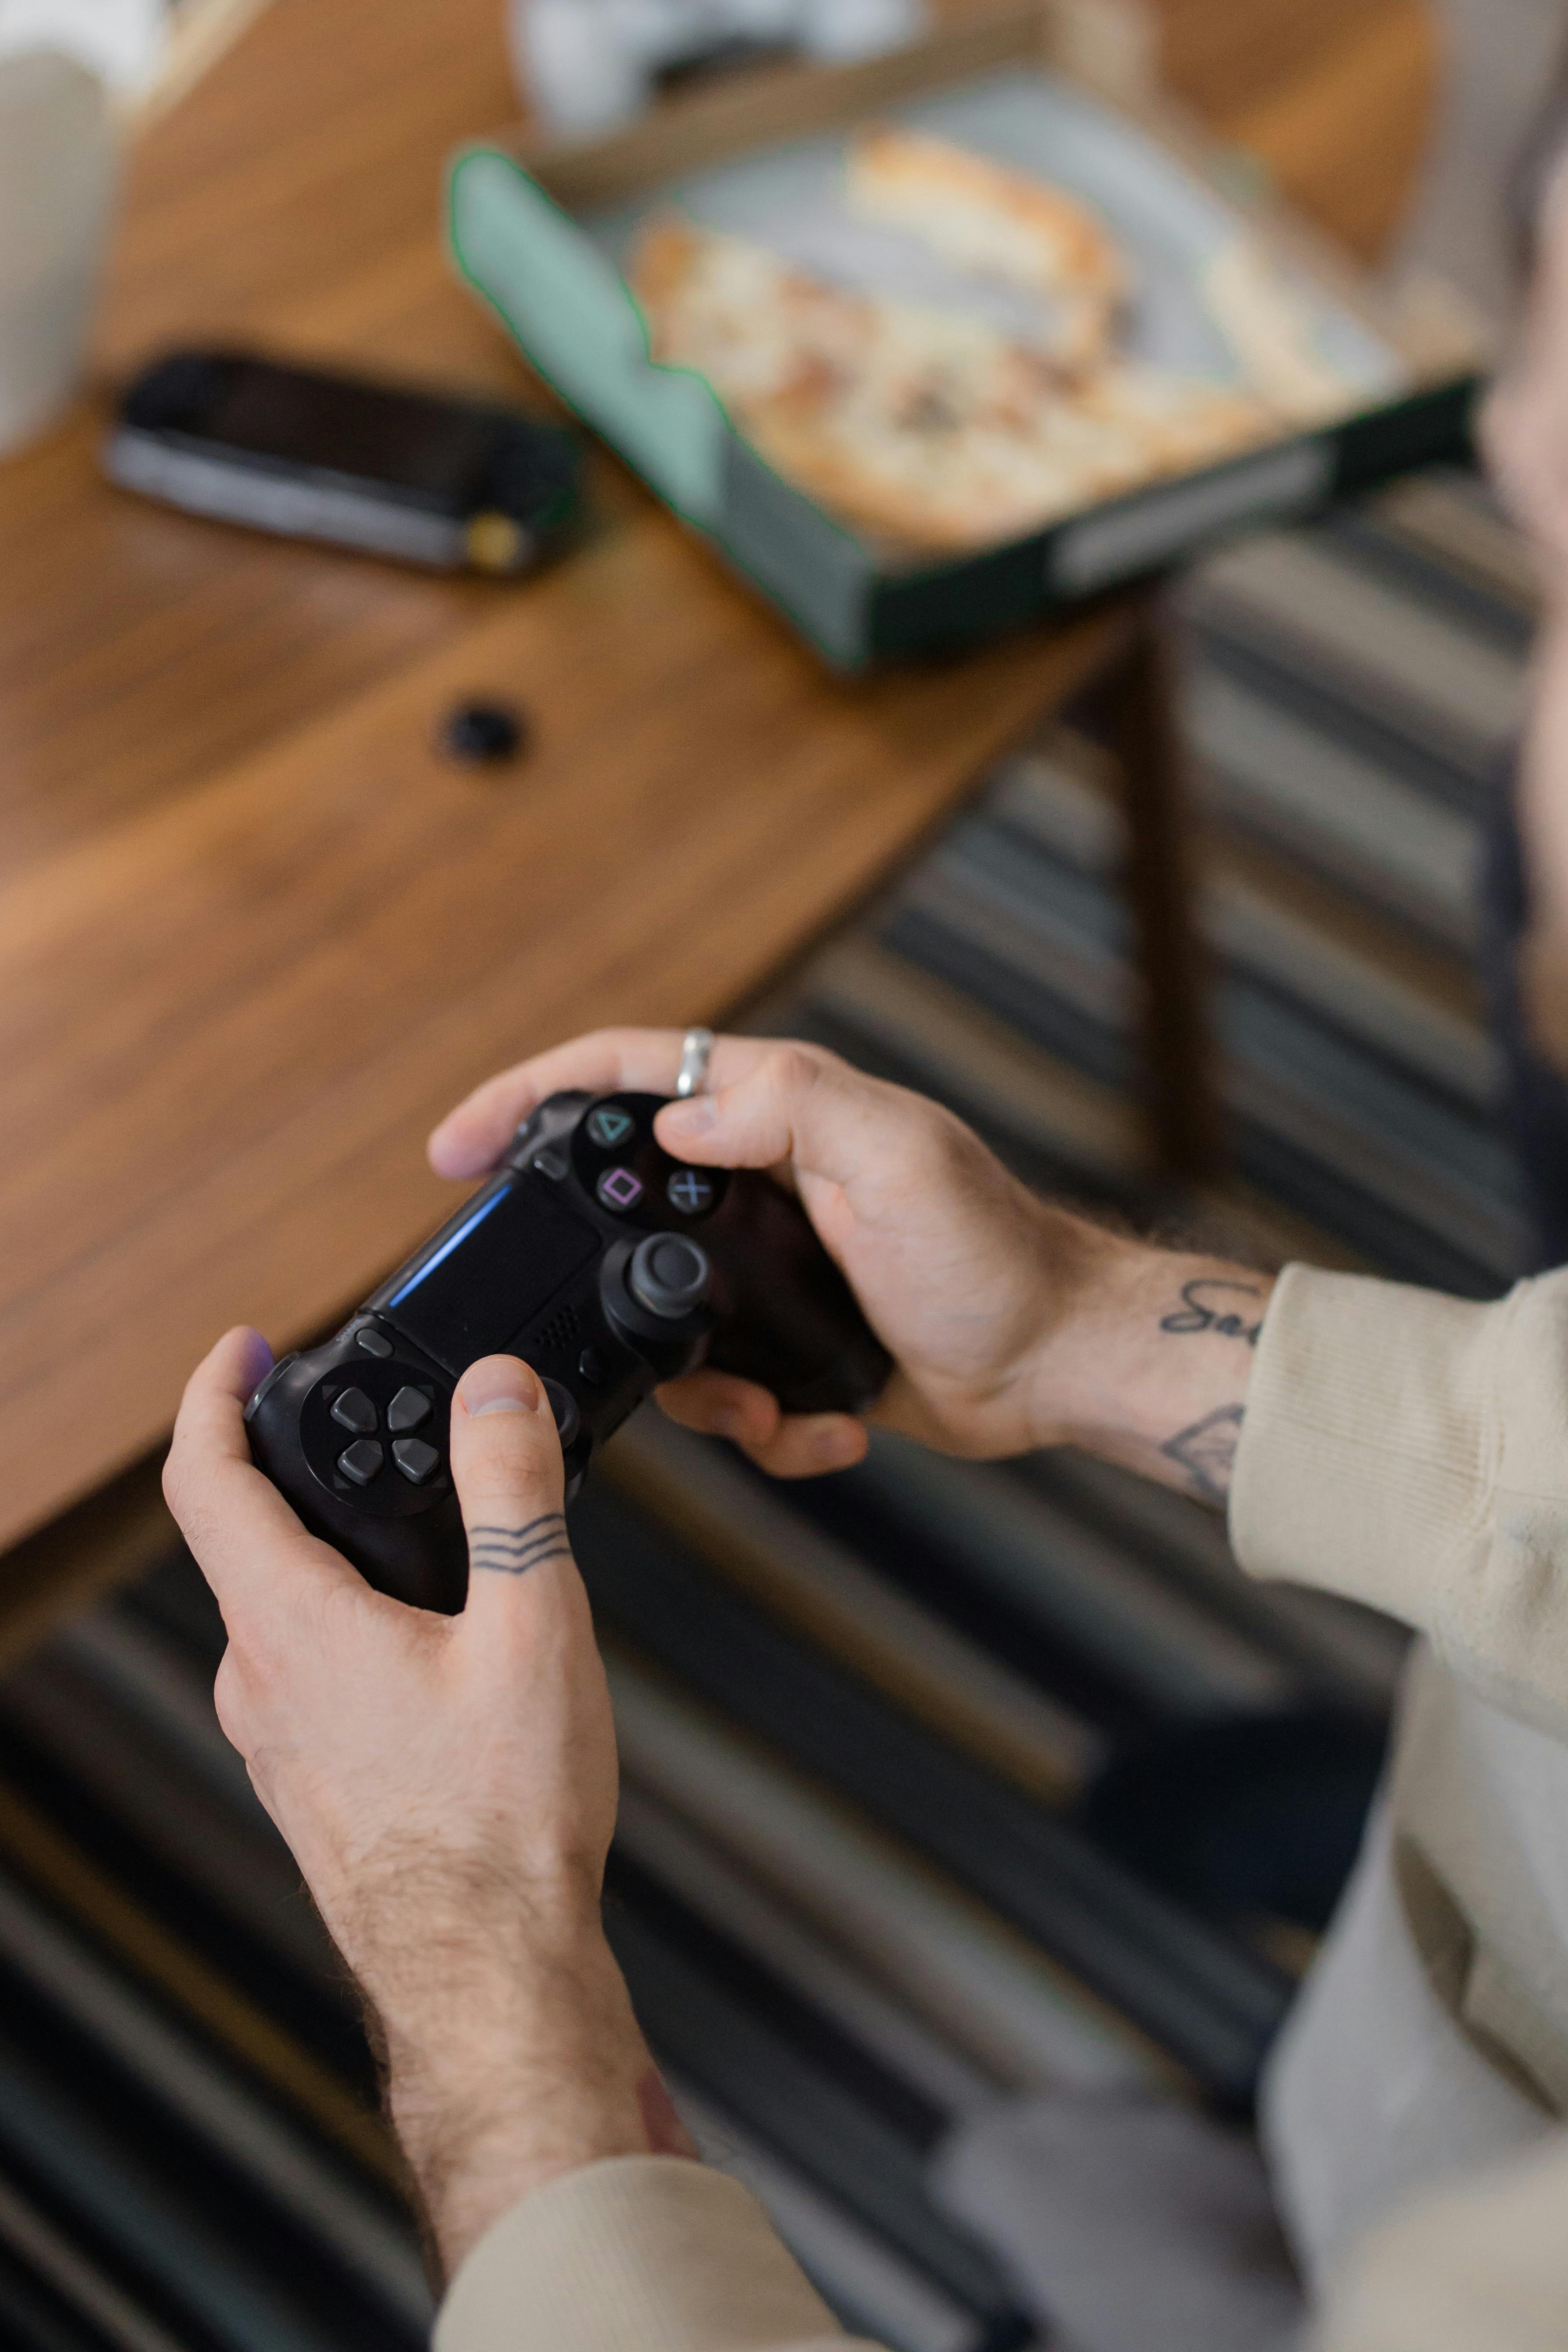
695,1048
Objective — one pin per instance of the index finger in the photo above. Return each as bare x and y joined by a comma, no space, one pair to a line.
246,1539
472,1138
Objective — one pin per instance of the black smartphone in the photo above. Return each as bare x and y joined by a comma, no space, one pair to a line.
390,469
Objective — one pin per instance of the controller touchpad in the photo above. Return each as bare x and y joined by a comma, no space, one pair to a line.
461,1302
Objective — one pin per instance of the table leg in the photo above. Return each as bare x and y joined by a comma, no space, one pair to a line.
1179,1082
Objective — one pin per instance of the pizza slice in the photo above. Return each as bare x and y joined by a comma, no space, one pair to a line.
986,218
922,425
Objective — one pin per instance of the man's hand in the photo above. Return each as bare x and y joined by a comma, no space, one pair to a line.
449,1787
1012,1323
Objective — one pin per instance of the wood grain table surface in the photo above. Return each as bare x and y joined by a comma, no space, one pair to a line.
254,935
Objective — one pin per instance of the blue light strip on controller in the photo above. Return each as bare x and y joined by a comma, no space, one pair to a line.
446,1248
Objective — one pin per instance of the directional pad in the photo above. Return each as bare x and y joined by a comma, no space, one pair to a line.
409,1408
355,1410
374,1430
416,1460
362,1462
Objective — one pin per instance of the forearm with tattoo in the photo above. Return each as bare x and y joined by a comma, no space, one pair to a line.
1160,1364
1213,1308
1224,1307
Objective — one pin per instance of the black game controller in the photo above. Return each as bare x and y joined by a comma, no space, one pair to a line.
605,1264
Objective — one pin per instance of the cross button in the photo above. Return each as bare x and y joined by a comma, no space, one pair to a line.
689,1192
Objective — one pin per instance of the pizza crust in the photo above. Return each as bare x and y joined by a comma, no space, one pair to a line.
757,329
988,481
1270,334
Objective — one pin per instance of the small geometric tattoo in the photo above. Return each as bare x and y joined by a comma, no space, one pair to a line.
1206,1452
512,1551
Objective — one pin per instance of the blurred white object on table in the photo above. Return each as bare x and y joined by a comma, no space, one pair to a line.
58,154
588,66
77,77
121,42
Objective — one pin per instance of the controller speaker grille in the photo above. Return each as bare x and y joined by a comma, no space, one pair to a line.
561,1329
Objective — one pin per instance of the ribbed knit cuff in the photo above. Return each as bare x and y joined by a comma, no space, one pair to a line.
1369,1454
640,2253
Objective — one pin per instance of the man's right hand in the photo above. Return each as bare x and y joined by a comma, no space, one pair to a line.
1012,1323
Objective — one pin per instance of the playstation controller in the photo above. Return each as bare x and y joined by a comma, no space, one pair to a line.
608,1266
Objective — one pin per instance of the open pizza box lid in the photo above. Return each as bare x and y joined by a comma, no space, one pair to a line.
541,231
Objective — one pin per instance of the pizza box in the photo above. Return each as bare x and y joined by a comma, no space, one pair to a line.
539,232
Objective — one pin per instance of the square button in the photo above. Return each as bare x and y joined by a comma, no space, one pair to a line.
618,1189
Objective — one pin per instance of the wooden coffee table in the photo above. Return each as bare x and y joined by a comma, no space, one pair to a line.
255,933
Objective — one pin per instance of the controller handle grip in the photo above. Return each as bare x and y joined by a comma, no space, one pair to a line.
788,1319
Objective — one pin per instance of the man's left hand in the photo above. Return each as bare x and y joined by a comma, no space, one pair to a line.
448,1786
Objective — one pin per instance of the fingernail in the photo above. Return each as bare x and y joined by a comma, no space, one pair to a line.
833,1443
693,1117
259,1359
499,1384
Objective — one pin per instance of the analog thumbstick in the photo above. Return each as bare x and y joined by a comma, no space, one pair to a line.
668,1275
563,1405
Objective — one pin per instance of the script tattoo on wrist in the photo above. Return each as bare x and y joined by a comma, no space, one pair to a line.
1206,1452
1198,1311
512,1551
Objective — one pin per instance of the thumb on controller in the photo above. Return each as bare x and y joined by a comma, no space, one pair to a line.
510,1483
797,1103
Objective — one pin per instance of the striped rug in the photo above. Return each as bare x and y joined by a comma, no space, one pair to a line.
872,1872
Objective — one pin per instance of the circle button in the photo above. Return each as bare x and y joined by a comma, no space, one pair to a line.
690,1192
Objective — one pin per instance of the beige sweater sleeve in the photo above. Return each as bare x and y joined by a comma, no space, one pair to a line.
1405,1449
1411,1451
641,2253
1482,2269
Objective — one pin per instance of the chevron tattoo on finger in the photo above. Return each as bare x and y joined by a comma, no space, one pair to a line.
512,1551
